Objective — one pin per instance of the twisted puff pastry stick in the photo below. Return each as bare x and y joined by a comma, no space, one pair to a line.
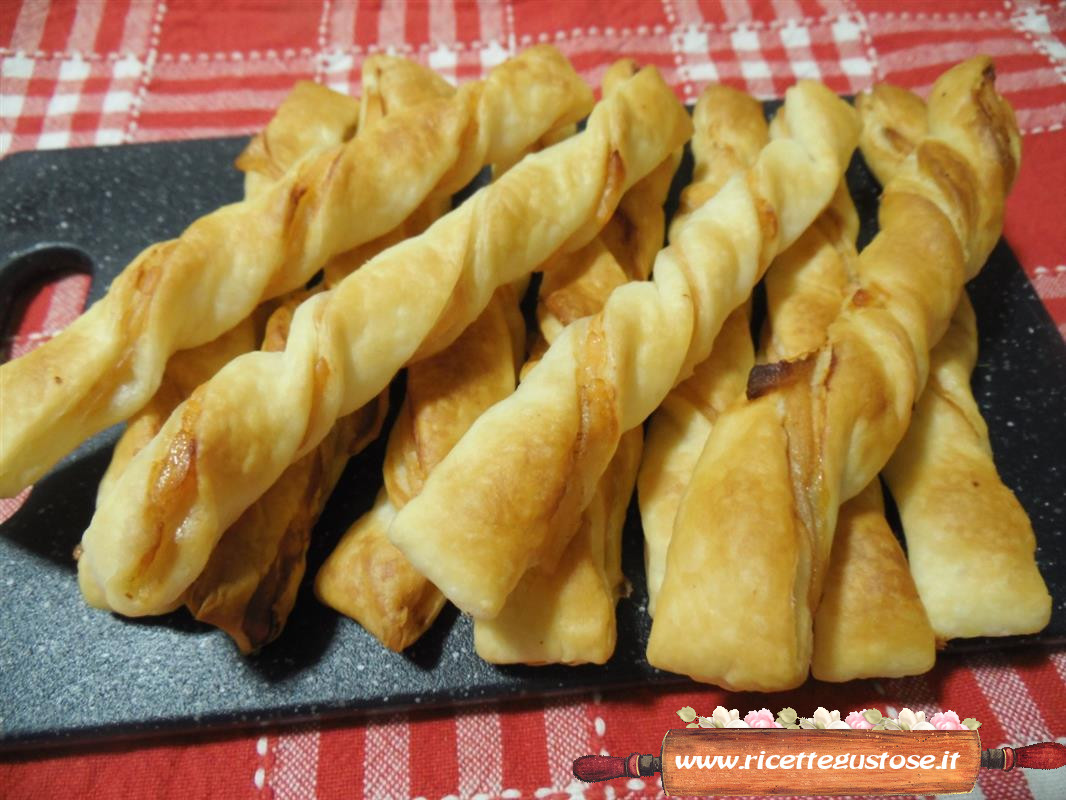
567,615
730,131
366,577
188,291
819,429
870,621
249,584
311,118
510,491
237,433
970,542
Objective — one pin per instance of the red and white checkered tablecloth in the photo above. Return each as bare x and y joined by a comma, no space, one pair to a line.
102,72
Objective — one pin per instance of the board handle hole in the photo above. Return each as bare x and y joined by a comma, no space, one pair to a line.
41,292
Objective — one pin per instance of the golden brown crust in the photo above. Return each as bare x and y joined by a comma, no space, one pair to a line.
483,502
369,580
938,215
310,119
730,130
870,622
367,328
970,543
183,293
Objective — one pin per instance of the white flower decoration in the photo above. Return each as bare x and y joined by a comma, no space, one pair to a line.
913,721
721,717
824,720
706,722
737,723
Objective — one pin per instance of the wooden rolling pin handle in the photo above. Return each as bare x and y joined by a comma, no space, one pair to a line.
1044,755
603,768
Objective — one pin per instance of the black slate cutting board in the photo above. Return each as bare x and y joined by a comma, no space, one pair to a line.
69,673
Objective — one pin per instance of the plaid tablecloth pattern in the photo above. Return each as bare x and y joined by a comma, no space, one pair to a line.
101,72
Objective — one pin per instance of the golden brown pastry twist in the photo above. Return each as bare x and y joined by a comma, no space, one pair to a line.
567,614
730,131
870,621
818,429
249,584
366,577
237,433
182,293
971,544
310,119
507,494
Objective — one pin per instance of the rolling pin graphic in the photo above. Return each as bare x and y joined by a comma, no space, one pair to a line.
769,762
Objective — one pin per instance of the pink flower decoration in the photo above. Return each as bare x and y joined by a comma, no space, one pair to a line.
761,719
856,720
946,721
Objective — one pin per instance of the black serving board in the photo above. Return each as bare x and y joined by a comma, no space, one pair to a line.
70,673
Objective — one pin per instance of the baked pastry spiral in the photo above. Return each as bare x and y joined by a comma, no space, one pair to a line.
249,584
730,131
567,614
505,497
179,294
819,428
970,543
237,433
869,621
